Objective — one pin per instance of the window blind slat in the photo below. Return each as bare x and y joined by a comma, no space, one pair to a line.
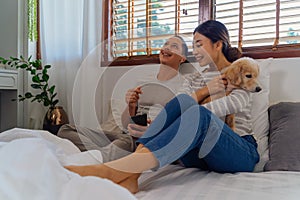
150,25
259,20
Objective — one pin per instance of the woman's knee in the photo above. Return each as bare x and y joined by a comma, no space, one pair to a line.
198,112
186,99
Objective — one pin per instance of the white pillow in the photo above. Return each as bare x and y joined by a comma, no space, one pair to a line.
259,112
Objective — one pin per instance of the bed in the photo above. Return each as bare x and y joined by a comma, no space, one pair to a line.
32,160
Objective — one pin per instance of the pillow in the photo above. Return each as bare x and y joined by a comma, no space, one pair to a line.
284,137
259,112
260,102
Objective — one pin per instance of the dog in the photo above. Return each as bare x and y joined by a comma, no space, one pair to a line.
242,73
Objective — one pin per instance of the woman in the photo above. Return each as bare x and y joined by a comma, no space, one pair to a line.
190,133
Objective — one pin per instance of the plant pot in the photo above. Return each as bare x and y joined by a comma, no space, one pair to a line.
54,119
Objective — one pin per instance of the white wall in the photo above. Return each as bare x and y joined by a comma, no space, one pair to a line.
13,40
8,28
285,80
113,82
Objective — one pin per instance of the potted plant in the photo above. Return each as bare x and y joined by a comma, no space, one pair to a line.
45,93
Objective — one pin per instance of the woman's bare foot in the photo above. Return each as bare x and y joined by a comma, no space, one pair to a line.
131,183
124,179
101,171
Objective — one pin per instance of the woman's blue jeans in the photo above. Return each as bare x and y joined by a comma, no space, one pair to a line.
190,133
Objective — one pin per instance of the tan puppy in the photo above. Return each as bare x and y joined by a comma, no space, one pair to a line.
242,73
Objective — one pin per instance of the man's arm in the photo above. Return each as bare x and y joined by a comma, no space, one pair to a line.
131,98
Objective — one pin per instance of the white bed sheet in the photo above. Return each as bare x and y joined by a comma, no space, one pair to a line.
175,182
32,169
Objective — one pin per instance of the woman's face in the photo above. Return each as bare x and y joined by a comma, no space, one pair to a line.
204,50
171,53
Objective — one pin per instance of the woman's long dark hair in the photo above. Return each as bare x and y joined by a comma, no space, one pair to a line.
216,31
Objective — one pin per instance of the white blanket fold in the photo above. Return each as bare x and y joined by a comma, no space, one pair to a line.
32,168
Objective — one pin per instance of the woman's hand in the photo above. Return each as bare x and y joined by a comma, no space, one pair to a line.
132,96
136,130
217,84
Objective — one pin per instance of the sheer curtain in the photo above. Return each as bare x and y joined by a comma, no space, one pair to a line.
70,30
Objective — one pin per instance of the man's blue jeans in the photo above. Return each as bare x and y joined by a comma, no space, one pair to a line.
189,132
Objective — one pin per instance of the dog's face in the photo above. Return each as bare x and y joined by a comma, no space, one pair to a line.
243,73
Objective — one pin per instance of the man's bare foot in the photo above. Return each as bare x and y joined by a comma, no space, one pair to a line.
101,171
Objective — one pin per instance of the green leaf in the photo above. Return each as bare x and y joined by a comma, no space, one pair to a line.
44,71
28,95
36,79
45,77
45,87
54,95
23,66
14,59
51,90
47,66
54,102
36,86
37,64
47,102
33,71
45,95
39,97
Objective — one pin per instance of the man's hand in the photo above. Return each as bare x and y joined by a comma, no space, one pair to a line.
132,96
137,130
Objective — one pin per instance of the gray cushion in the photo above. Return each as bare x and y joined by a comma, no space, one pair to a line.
284,140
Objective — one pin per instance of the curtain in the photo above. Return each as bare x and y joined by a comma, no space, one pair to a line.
70,31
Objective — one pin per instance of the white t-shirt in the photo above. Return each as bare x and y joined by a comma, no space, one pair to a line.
157,93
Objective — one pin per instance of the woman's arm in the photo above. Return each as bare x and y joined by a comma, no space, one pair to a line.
216,85
235,102
200,94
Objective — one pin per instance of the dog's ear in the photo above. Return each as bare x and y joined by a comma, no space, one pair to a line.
233,74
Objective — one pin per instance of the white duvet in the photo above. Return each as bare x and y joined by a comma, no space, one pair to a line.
32,169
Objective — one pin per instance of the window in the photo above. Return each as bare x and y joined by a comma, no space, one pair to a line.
139,28
136,29
33,22
262,28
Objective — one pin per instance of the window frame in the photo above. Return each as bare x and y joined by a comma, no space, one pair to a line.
207,8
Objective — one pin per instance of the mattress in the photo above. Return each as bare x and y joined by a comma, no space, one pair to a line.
176,182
